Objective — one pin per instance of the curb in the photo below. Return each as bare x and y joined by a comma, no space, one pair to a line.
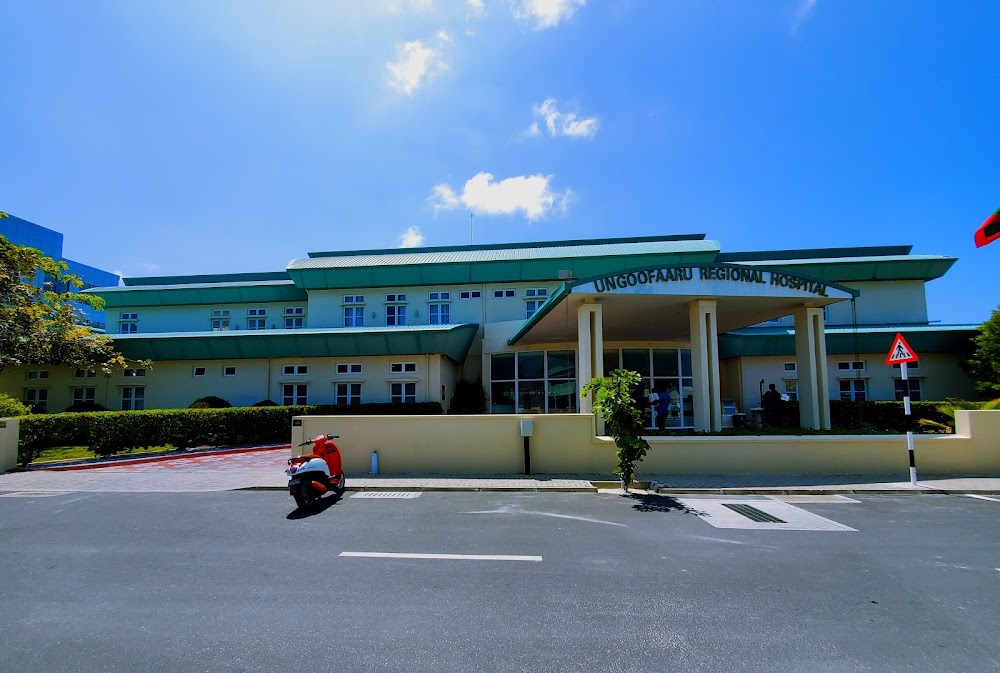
155,459
824,491
441,489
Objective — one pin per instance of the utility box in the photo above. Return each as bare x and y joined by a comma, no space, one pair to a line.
527,428
8,443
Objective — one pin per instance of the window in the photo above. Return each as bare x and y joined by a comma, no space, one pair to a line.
394,298
128,327
852,366
37,399
220,313
84,394
439,296
534,381
256,318
403,392
129,316
503,294
84,374
536,292
295,370
354,316
792,389
791,367
852,390
402,367
470,294
229,370
352,368
439,314
220,324
133,398
257,312
36,374
916,393
348,393
294,393
130,373
294,317
354,299
395,315
198,371
909,366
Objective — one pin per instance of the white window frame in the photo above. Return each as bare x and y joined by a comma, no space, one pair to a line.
299,393
915,384
220,324
128,327
536,292
88,394
256,324
910,366
295,322
470,294
354,315
256,312
402,396
36,374
85,374
531,307
135,400
395,298
194,371
351,393
134,372
439,296
402,367
791,367
294,370
504,294
220,313
348,368
128,316
791,389
226,368
853,392
439,314
395,315
851,365
37,397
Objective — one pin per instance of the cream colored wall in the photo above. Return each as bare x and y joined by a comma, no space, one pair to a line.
154,319
60,386
566,443
881,302
172,385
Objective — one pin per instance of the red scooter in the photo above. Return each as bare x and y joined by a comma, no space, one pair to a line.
313,474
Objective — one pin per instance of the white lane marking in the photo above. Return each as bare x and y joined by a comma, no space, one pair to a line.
507,509
452,557
980,497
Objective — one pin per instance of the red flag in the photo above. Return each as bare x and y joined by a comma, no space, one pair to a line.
990,231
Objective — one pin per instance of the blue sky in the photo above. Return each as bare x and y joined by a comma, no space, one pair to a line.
198,136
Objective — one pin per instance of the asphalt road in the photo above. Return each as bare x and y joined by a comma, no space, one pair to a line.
230,581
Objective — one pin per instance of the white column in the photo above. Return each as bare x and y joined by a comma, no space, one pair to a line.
584,355
707,405
813,378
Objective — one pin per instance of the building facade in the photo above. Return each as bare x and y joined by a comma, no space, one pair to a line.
706,329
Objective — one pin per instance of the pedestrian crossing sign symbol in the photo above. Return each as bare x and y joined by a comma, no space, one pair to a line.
900,352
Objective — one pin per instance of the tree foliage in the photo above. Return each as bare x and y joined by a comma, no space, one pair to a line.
43,326
613,402
984,365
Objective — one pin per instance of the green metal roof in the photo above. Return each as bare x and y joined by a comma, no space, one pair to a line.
494,264
761,341
200,293
856,269
207,278
814,253
452,341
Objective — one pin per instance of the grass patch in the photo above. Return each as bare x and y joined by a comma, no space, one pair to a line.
58,454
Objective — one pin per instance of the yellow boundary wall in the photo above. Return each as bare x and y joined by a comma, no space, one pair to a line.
567,443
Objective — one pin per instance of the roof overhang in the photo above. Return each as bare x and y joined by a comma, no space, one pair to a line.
200,293
772,341
451,341
651,303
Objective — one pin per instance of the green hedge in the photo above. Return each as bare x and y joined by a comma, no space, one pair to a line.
871,415
111,432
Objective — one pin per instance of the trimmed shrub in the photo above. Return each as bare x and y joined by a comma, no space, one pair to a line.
210,402
111,432
265,403
469,397
11,407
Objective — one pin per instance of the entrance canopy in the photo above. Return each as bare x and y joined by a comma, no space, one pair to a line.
651,304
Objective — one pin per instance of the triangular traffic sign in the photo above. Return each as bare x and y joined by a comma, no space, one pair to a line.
900,352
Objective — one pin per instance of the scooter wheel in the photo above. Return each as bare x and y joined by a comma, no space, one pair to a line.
341,487
305,496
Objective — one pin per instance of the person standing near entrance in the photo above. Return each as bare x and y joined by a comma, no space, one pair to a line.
771,402
662,408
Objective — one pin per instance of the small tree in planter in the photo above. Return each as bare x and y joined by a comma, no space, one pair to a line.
613,402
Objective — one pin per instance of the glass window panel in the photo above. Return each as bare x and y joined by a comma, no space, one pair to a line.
562,364
686,362
610,361
530,366
562,396
502,397
665,362
503,368
531,397
636,360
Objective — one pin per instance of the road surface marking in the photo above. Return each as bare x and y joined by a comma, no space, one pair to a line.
451,557
508,509
980,497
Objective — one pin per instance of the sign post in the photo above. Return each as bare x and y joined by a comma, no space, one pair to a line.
900,353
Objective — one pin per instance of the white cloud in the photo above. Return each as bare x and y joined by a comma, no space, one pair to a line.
411,238
802,13
417,62
545,13
527,194
561,123
148,267
476,7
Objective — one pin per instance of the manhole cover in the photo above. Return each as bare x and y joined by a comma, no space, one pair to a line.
382,495
815,498
32,494
752,513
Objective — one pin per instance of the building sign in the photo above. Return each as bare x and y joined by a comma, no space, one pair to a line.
729,274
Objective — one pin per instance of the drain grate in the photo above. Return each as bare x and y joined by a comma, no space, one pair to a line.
382,495
752,513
